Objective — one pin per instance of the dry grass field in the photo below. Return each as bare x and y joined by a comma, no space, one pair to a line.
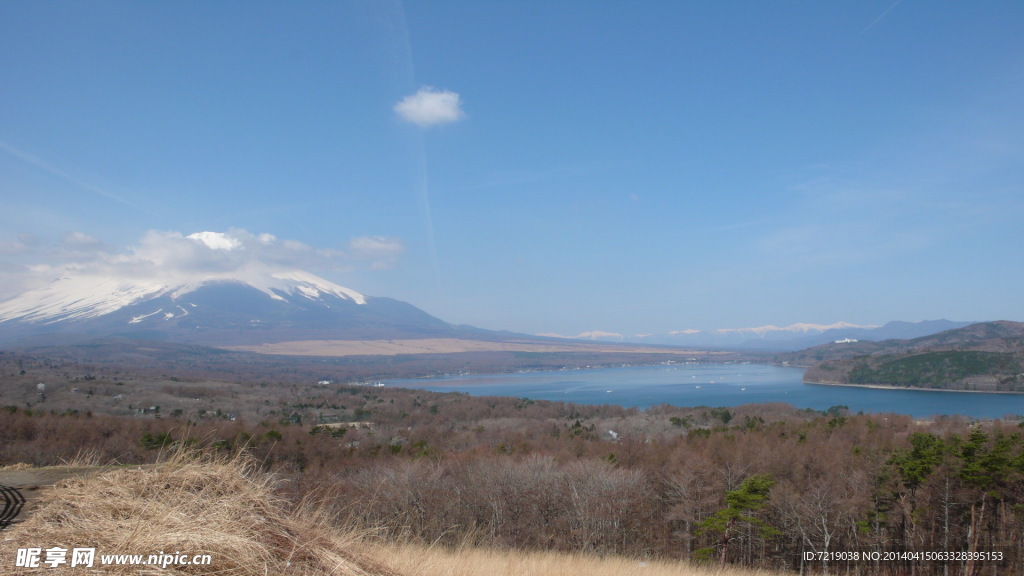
418,561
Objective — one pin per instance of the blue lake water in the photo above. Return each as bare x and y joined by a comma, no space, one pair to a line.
716,385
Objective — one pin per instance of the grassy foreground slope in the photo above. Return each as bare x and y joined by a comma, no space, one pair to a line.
439,561
190,505
228,509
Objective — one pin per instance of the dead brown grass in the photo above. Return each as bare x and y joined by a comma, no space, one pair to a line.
190,504
16,466
469,561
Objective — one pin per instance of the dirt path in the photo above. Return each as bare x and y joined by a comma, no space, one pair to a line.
22,489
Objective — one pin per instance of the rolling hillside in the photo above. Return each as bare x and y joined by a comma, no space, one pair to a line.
985,357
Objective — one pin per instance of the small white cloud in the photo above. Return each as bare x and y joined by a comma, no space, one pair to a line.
81,241
25,243
430,107
591,335
381,250
600,335
216,240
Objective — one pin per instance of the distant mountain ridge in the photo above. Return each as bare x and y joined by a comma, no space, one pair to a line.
987,356
779,338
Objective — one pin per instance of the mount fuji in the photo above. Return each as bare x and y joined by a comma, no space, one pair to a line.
274,307
221,296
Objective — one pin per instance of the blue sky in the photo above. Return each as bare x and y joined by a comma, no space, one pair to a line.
631,167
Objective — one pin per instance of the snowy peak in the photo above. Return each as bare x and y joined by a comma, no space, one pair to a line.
278,306
208,288
71,298
799,328
168,264
78,298
313,287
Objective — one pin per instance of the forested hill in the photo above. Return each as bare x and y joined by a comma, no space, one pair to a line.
985,357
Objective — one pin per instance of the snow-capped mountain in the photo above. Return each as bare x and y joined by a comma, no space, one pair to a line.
274,306
209,288
73,298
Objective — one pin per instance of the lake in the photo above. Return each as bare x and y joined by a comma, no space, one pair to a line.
715,385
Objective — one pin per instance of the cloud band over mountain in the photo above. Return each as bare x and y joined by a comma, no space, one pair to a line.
172,257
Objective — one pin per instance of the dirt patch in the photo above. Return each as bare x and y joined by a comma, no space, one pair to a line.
22,488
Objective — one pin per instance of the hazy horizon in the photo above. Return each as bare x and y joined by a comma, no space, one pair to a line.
560,168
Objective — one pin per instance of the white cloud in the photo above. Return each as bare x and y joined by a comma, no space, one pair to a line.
382,251
25,243
599,335
216,240
430,107
81,241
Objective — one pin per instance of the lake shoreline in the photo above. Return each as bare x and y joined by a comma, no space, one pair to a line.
909,388
718,385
